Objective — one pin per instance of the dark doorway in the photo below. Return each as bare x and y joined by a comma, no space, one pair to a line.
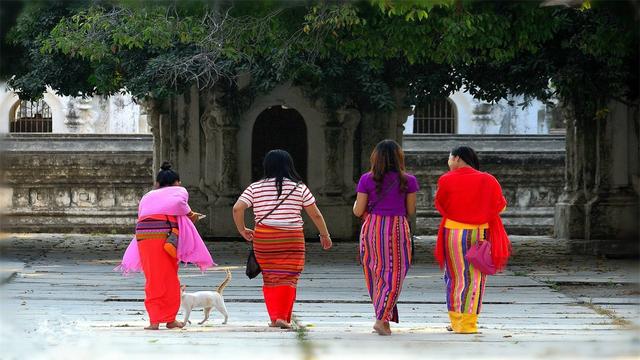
279,128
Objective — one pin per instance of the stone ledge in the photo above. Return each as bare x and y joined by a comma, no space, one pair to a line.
75,143
521,144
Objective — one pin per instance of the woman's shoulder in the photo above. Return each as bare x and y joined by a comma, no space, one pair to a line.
490,177
365,183
366,179
410,176
168,189
298,184
259,183
445,176
366,176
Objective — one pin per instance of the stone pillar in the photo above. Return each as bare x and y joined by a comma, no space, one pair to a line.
153,121
339,134
229,189
188,135
599,209
209,121
612,213
349,120
379,126
569,214
219,176
399,116
334,159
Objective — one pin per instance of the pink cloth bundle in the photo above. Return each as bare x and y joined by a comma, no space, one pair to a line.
170,200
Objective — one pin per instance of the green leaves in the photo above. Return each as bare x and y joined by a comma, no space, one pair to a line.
411,10
352,53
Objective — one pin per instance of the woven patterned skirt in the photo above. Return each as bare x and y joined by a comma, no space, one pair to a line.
162,286
385,251
280,254
465,284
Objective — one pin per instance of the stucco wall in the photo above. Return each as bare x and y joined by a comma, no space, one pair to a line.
506,117
73,183
117,114
92,183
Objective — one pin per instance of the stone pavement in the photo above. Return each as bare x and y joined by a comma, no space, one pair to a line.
61,299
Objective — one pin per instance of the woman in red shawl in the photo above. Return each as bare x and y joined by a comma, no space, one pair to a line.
470,202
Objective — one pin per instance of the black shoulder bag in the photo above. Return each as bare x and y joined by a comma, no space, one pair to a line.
253,268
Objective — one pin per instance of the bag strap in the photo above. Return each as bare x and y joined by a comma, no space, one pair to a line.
169,223
280,203
382,196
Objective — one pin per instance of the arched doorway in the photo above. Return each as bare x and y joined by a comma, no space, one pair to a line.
279,128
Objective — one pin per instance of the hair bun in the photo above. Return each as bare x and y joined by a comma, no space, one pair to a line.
166,166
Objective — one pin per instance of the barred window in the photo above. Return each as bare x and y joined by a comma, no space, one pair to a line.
435,117
31,117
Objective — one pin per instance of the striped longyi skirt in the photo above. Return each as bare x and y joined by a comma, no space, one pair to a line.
385,251
280,254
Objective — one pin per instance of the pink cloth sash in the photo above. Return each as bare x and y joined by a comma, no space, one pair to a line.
170,200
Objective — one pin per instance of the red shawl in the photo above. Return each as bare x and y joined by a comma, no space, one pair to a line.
470,196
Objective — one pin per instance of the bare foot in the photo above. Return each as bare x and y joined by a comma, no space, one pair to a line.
387,327
272,324
282,324
380,328
152,326
175,325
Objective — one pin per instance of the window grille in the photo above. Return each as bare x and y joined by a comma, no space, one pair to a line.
435,117
31,117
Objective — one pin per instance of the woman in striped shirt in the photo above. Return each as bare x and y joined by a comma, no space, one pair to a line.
278,241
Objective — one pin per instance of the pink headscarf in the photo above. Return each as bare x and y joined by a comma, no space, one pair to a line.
170,200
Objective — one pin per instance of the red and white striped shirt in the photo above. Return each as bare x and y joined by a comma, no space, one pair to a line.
263,197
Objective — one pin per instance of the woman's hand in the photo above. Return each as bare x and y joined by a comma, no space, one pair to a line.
238,219
325,241
247,234
360,206
198,216
316,216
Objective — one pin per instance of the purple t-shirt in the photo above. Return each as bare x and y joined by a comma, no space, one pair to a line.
393,203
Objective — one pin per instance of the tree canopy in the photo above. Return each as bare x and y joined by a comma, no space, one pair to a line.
345,53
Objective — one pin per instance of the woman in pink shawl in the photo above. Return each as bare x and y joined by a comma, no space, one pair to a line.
163,216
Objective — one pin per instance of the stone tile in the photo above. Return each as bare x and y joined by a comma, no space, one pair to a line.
66,301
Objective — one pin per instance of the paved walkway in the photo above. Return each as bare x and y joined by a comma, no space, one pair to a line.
61,299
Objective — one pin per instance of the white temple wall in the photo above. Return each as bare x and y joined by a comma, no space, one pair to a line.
117,114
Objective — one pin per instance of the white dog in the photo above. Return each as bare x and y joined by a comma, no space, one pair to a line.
206,300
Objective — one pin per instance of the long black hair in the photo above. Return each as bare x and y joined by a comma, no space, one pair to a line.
279,164
468,155
166,176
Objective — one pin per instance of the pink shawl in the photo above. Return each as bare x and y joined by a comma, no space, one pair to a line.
170,200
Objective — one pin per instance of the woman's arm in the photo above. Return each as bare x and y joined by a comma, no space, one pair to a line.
193,216
411,204
360,205
318,220
238,218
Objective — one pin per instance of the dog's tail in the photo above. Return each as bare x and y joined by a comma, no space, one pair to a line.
225,282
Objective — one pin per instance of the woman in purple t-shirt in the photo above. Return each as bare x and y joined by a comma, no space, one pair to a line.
386,197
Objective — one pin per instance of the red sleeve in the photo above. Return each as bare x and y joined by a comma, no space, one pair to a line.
440,200
500,201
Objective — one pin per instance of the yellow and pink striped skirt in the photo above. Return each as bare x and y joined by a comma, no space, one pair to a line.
465,284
